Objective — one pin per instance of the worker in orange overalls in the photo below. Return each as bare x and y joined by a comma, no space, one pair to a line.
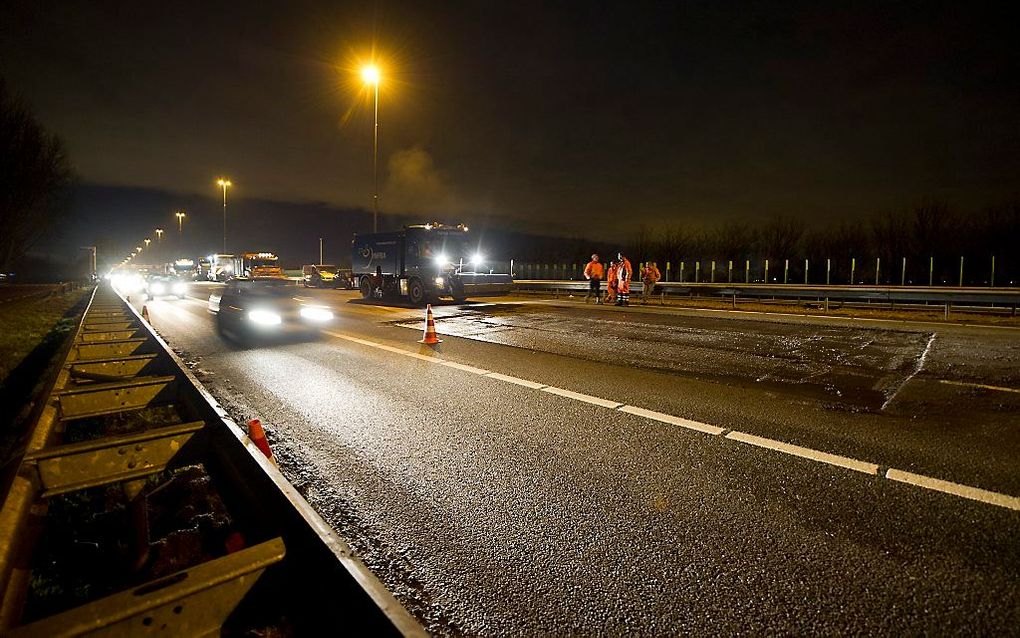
611,282
593,272
650,276
624,272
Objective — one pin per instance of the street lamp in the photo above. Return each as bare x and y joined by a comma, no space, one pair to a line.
159,240
180,228
370,74
224,183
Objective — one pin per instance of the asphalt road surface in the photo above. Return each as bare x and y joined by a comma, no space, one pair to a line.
553,468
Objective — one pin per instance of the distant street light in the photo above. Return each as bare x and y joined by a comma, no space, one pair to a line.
224,183
159,241
371,75
147,242
180,228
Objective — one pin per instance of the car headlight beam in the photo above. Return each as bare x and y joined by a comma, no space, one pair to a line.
265,318
316,313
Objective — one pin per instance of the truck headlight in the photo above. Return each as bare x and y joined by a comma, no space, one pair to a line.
478,259
265,317
442,260
316,313
440,281
158,289
179,288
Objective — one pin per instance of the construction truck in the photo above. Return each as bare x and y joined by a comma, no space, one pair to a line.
422,263
221,267
183,268
257,265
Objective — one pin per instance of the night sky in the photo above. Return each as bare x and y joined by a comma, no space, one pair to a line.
557,118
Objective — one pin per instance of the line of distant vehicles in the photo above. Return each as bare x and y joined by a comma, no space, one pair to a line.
420,263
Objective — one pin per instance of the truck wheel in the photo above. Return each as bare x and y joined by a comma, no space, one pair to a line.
460,298
366,287
416,292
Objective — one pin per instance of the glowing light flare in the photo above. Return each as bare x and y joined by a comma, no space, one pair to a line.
370,74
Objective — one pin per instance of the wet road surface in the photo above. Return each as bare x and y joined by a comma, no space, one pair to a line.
497,508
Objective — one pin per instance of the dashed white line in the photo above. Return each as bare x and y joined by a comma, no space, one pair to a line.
804,452
956,489
517,380
461,366
917,480
578,396
672,420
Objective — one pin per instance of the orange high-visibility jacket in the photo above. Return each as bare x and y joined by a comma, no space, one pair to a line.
652,274
625,272
594,270
611,278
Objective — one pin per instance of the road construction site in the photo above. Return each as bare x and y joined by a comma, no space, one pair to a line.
554,467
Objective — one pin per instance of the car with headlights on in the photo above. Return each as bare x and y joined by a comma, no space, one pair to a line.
166,286
261,308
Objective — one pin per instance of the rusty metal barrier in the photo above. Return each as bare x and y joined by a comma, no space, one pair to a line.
141,508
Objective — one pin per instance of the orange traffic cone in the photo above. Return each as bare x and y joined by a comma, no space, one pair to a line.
145,313
430,337
258,437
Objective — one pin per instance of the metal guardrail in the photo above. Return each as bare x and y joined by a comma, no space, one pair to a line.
87,540
1009,297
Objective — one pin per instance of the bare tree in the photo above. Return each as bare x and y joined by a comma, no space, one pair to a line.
780,237
35,176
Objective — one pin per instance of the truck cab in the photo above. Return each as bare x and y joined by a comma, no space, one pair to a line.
424,262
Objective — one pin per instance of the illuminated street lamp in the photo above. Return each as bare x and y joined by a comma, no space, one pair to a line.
180,227
224,183
159,240
147,242
370,74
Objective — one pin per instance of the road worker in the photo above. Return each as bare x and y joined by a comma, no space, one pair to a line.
611,282
650,276
624,272
593,273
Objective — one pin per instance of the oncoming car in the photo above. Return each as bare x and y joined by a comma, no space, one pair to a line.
164,286
250,309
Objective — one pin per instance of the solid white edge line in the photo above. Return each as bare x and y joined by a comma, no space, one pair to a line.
956,489
804,452
672,420
585,398
518,381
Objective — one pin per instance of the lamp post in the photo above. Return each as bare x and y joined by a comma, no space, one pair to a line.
159,241
370,74
224,183
320,250
180,228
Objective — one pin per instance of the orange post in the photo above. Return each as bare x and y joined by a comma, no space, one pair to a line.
430,338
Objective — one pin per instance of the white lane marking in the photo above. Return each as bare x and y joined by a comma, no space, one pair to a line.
965,384
465,368
578,396
917,480
956,489
518,381
673,420
917,368
804,452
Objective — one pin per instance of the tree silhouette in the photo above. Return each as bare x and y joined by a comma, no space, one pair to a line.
35,176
